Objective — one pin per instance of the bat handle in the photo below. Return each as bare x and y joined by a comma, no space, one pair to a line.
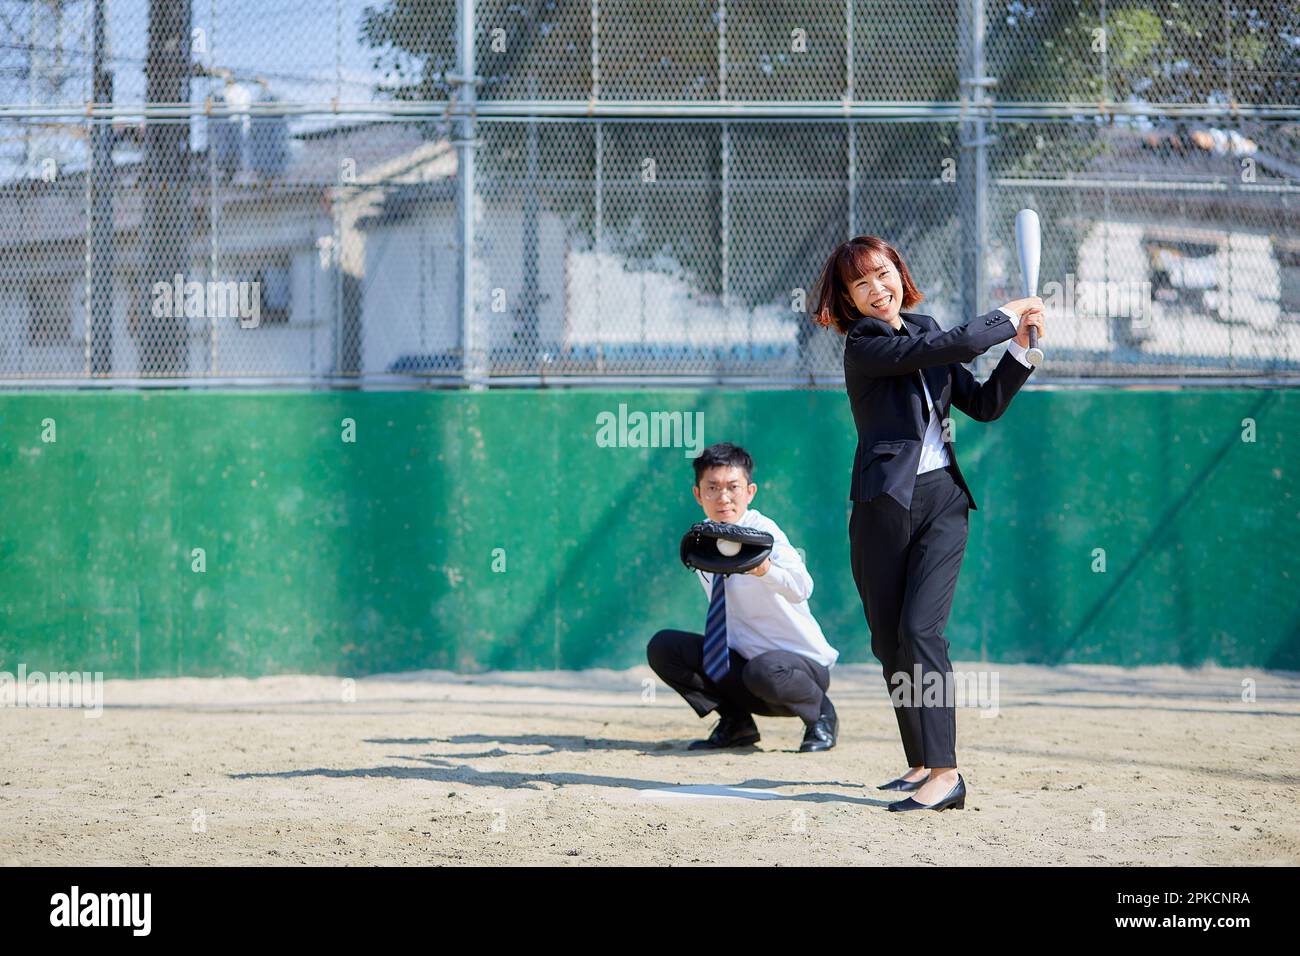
1034,355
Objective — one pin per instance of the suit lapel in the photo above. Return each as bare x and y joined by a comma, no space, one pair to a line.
915,328
934,378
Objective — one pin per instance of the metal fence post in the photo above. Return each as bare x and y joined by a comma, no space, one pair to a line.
99,304
472,353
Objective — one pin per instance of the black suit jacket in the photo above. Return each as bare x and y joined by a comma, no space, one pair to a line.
882,372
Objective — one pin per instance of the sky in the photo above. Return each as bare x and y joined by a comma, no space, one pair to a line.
303,49
294,50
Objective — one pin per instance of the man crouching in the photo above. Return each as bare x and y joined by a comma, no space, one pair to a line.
762,651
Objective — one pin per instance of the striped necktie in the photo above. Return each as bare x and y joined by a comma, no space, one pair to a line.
717,660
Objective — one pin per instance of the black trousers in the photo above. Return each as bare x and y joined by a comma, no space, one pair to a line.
905,565
771,684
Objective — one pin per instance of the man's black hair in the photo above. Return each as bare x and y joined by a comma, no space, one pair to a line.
724,453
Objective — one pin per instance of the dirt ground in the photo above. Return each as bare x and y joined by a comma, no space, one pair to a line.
1080,765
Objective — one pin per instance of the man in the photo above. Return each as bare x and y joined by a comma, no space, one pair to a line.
762,651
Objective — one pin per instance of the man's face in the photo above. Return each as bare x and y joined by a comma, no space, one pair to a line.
724,492
879,292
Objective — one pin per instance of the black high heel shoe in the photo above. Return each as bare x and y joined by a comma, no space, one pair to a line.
901,784
956,799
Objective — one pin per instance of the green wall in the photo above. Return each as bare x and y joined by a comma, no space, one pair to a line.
355,558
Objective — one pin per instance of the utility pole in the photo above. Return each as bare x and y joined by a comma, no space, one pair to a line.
164,342
972,167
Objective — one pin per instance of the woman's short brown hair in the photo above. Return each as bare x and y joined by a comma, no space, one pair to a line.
849,262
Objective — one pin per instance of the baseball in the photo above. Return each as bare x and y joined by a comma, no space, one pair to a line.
729,548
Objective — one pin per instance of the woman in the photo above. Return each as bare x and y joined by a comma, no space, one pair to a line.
907,531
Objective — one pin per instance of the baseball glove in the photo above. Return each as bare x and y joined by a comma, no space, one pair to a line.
700,547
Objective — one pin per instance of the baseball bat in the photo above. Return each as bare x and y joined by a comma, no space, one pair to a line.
1029,245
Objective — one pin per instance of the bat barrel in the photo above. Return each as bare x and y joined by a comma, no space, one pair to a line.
1029,245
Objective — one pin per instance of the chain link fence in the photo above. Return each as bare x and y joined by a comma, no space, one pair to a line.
410,193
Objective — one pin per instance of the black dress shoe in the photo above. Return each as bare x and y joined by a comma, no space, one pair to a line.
901,784
956,799
820,734
732,731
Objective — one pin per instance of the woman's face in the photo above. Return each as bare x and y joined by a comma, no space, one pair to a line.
879,292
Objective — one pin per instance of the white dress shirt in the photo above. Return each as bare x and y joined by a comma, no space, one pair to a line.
770,612
934,453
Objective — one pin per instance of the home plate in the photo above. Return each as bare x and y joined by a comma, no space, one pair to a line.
708,790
